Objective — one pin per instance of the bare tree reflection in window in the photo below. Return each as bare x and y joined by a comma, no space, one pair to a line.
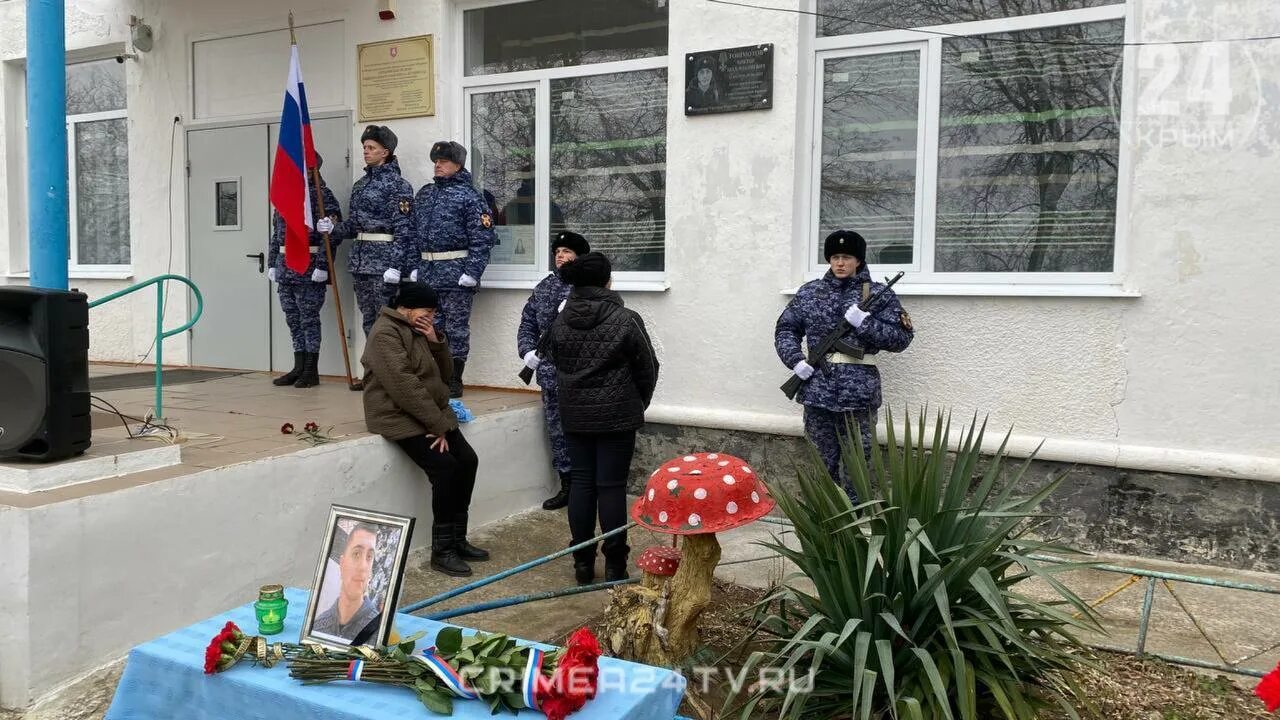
608,163
847,17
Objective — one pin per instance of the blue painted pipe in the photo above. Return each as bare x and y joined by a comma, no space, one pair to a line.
533,597
47,144
414,607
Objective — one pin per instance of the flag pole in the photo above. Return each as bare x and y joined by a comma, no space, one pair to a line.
352,383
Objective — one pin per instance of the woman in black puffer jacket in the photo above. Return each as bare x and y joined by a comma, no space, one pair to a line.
606,370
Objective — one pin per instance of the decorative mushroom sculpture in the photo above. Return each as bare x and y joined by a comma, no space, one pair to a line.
658,563
696,496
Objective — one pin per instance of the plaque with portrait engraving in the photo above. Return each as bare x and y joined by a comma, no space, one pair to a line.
729,80
396,79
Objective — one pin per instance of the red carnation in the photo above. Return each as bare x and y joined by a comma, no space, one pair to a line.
574,681
212,655
286,429
1268,690
311,427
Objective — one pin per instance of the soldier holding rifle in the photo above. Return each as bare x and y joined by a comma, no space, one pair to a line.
843,387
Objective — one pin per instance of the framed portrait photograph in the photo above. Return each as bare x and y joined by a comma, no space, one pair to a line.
357,582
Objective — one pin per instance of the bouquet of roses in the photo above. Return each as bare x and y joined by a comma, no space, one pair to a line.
486,667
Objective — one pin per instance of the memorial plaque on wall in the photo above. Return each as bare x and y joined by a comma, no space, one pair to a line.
396,79
720,81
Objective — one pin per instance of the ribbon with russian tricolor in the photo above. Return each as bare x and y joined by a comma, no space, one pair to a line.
532,672
355,670
450,677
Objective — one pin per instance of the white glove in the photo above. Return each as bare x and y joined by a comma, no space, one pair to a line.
531,360
324,225
467,281
391,276
855,315
803,370
271,274
319,275
413,276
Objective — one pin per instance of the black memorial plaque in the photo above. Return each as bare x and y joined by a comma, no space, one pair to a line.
729,80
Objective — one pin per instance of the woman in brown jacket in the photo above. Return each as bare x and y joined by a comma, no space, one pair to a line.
406,400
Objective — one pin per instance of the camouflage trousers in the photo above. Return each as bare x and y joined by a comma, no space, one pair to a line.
551,416
825,428
372,294
454,318
301,303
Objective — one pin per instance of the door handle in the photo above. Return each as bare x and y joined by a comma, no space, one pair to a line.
262,261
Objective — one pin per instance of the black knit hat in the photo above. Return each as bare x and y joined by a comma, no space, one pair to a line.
844,242
380,134
416,295
449,150
571,240
589,270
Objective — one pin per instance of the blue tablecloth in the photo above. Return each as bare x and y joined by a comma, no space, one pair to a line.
164,680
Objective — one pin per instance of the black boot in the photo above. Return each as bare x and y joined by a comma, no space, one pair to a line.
584,572
560,499
615,571
444,555
455,382
466,550
310,376
299,362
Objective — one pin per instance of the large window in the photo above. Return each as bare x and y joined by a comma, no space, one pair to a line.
98,164
984,150
566,120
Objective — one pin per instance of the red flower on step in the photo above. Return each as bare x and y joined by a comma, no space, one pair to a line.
311,427
1268,690
286,429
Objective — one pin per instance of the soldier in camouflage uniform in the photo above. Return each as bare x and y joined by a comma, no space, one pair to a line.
302,294
846,390
542,307
452,231
381,202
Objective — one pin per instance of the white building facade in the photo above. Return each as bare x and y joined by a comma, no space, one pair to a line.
1084,214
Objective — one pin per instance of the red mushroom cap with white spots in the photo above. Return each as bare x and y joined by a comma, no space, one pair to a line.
659,560
701,493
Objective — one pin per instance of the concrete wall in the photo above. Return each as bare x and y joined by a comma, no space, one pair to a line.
85,580
1183,372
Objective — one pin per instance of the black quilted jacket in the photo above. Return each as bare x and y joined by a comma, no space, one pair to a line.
605,366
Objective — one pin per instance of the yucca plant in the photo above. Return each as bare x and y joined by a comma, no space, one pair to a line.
917,612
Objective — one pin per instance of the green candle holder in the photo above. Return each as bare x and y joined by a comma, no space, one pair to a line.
271,609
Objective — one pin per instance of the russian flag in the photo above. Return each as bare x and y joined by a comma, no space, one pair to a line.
291,188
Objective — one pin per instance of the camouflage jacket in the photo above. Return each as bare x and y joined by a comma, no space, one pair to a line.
816,310
275,245
450,215
381,202
539,311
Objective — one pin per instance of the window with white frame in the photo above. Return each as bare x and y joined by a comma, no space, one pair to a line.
566,121
98,165
971,140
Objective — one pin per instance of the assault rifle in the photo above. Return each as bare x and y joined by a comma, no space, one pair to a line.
818,354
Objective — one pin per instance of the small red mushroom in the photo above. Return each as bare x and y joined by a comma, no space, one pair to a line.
658,562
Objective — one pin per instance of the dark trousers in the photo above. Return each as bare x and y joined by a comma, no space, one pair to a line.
452,474
598,487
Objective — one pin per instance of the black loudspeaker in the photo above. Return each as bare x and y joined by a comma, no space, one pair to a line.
44,373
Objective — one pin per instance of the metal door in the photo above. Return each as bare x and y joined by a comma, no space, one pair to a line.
227,221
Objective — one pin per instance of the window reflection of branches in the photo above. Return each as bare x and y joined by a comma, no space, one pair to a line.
846,17
608,163
97,129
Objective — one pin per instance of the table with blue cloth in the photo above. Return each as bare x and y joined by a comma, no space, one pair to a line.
165,679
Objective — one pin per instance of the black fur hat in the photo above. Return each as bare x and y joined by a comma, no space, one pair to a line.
449,150
845,242
571,240
382,135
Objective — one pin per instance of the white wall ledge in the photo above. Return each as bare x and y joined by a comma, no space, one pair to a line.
1005,290
618,285
1089,452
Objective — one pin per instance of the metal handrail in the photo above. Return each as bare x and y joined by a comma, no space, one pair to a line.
161,333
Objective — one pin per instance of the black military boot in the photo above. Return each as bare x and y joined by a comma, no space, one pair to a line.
466,550
560,499
615,559
310,376
584,573
455,382
289,378
444,554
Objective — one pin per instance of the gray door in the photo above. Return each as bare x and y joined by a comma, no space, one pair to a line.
227,220
333,141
